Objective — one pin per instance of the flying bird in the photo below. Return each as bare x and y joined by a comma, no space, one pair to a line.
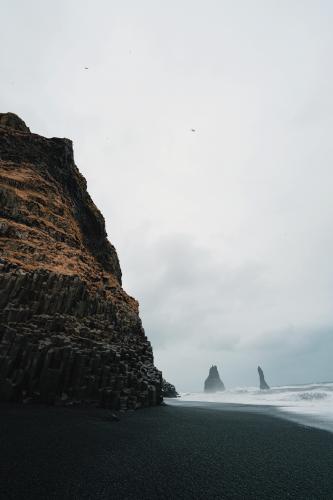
86,67
192,129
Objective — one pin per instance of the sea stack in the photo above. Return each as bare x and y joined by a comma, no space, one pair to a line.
213,383
263,384
69,333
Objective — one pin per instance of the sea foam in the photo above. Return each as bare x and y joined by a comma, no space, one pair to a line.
314,401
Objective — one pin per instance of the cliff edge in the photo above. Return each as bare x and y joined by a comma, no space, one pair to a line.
68,331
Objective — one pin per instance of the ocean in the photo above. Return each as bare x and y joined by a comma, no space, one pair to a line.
309,404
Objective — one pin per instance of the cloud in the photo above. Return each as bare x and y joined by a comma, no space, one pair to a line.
186,292
199,309
224,235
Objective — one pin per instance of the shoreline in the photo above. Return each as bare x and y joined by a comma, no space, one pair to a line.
166,452
314,421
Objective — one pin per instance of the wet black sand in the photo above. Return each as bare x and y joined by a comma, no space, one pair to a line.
170,452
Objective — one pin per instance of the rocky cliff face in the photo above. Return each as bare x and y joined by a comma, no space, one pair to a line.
262,382
68,331
213,383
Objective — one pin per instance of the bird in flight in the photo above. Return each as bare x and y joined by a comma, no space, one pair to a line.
192,129
86,67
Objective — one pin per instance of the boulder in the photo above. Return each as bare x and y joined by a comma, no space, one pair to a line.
168,390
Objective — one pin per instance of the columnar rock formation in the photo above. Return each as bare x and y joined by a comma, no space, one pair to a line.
213,383
263,384
68,331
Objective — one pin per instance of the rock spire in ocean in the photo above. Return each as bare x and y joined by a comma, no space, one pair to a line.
68,330
263,384
213,383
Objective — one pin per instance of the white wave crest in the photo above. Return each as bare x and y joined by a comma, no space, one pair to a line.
309,396
310,399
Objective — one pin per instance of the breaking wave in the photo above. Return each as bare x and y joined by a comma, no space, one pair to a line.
308,396
312,400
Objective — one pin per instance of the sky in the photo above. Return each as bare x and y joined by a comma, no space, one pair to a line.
204,130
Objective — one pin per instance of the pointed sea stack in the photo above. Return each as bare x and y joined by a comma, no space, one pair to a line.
263,384
68,331
213,383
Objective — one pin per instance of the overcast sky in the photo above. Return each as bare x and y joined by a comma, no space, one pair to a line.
224,233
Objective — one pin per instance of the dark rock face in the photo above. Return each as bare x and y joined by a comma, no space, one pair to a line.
10,120
213,383
68,331
168,390
263,384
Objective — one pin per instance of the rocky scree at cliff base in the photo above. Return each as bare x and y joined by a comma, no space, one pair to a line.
169,390
68,331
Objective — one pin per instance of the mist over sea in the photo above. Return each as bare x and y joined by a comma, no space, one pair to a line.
310,404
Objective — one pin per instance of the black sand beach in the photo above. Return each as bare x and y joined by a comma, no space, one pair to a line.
161,453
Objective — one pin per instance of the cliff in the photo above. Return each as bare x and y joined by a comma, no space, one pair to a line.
213,383
68,331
